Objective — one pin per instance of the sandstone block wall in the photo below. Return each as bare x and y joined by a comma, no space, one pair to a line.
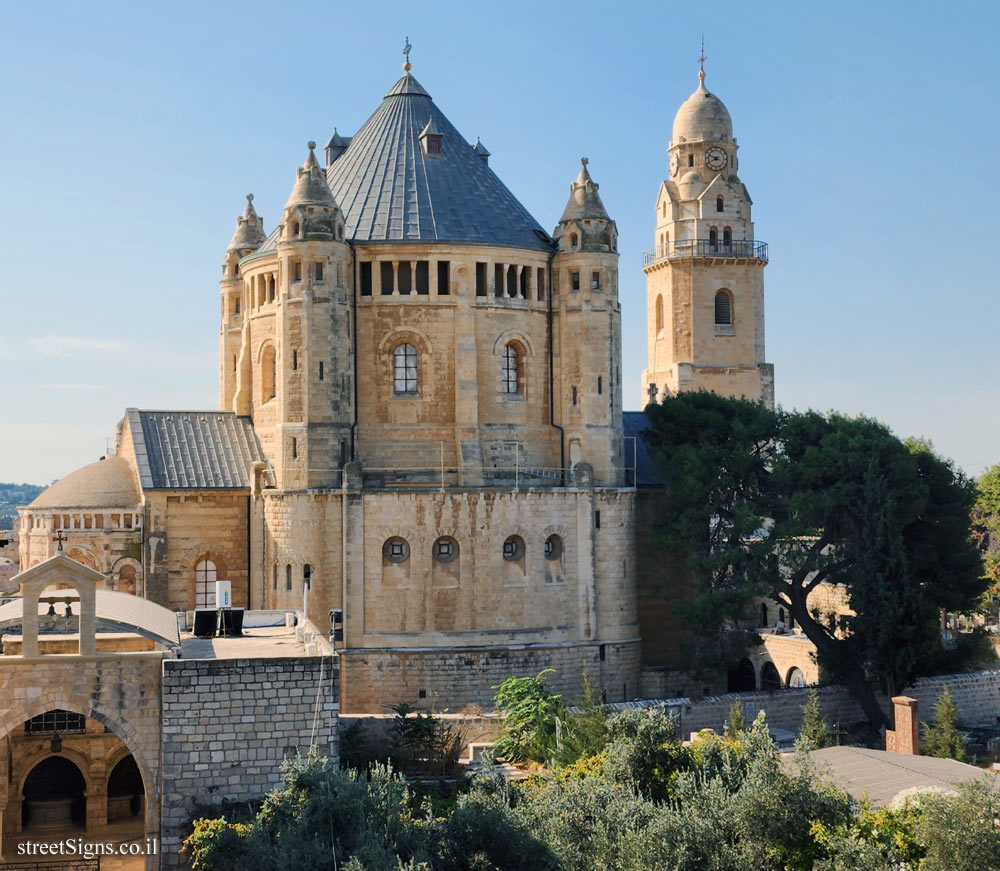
229,724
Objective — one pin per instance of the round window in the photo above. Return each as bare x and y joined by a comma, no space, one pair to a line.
513,548
396,550
445,549
553,547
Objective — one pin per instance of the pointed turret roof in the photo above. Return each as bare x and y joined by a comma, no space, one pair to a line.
481,149
390,190
249,229
584,200
311,188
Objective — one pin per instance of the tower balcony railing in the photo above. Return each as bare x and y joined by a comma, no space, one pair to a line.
741,249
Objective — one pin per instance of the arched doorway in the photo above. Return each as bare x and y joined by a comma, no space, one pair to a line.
770,680
795,679
743,678
54,796
125,790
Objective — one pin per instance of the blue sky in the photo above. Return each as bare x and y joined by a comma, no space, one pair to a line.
867,130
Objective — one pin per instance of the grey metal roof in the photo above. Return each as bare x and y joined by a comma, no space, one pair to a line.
648,473
193,450
389,190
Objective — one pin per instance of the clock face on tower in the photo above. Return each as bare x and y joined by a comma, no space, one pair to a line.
675,163
716,158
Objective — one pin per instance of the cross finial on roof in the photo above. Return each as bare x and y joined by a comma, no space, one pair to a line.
584,161
701,59
249,198
59,539
406,53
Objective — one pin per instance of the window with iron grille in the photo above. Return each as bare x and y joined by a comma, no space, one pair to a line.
511,384
404,370
723,308
55,721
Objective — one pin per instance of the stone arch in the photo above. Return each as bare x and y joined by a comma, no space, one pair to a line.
79,701
223,558
126,562
398,336
554,563
267,359
508,336
743,677
770,680
724,307
30,763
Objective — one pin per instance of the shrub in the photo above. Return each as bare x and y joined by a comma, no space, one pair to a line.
814,733
941,736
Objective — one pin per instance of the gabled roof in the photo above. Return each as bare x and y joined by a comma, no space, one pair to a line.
193,450
390,191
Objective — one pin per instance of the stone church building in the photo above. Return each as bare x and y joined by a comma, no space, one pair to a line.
420,416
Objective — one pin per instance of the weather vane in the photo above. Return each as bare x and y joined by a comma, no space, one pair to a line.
406,54
701,57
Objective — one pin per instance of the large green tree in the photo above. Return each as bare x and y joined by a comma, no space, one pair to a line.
762,502
986,530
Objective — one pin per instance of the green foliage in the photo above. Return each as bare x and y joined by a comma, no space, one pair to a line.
644,752
986,530
424,744
941,737
962,832
814,733
539,726
736,722
769,503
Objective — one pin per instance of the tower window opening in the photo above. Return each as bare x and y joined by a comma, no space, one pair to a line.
498,279
444,277
540,284
422,277
664,209
574,241
288,578
274,577
600,385
318,271
405,277
320,370
205,576
523,281
597,520
306,575
574,396
595,280
237,306
270,289
511,280
574,278
404,370
295,359
511,373
295,229
513,549
386,277
296,271
690,160
719,205
713,239
723,308
268,374
366,278
396,550
295,448
480,279
727,237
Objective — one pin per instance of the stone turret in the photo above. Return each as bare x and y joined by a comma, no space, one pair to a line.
587,327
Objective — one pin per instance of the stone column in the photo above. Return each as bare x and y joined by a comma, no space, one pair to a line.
906,736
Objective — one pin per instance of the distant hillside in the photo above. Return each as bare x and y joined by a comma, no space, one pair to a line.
12,495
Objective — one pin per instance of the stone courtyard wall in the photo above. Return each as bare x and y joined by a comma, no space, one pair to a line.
229,724
977,696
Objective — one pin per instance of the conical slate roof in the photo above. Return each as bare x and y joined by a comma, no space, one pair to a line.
249,229
584,200
311,188
390,190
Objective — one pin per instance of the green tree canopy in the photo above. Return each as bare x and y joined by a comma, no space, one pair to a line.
772,503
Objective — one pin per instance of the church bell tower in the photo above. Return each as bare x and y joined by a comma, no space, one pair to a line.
705,273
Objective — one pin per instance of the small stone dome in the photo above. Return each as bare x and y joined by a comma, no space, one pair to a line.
249,230
311,188
690,177
108,483
703,116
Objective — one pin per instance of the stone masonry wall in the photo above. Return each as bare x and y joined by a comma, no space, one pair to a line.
977,696
229,724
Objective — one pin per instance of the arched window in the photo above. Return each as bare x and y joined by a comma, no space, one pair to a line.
770,680
445,549
713,239
664,208
659,314
553,547
270,289
511,373
126,579
268,373
723,308
727,237
513,549
763,615
205,576
288,578
574,241
404,370
396,550
295,229
719,205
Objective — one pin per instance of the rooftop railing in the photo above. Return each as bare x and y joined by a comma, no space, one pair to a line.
743,249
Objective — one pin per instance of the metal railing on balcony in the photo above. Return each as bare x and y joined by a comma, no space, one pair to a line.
742,249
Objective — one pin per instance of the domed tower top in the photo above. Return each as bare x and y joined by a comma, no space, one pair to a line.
249,235
702,116
584,200
311,188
